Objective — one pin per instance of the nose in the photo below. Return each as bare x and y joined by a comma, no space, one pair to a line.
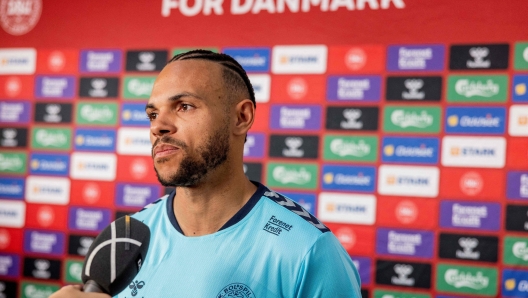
162,125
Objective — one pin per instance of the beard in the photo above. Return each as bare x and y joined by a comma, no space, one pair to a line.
195,166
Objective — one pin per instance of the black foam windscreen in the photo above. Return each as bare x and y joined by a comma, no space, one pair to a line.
116,255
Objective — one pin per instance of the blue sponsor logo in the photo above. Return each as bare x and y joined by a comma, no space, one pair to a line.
251,59
133,114
306,200
515,283
410,150
49,164
353,88
520,88
254,145
95,140
349,178
475,120
12,188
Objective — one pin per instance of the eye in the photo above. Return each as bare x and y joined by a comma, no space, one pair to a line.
184,107
152,116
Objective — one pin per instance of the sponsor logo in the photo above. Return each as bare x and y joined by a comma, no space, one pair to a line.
410,150
466,279
517,185
135,195
355,58
515,282
14,112
261,86
45,216
79,244
364,267
251,59
100,61
404,274
8,289
9,265
98,87
468,247
96,166
17,60
299,59
391,294
469,215
13,86
475,120
364,148
254,145
134,141
349,178
412,119
13,137
43,242
95,140
489,56
97,113
405,242
88,219
353,88
294,146
352,118
48,190
406,212
521,55
518,124
302,176
36,290
347,208
408,181
73,271
42,268
520,88
138,168
49,164
13,163
515,251
253,171
414,88
297,88
51,138
480,152
148,60
133,114
235,290
12,214
55,87
471,183
517,218
19,17
296,117
138,87
53,112
56,61
12,188
415,57
5,239
477,88
307,201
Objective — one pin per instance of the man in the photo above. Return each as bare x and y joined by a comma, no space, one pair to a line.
219,234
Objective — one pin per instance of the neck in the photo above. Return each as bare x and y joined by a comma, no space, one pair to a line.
204,209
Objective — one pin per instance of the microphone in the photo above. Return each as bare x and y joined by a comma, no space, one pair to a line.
115,256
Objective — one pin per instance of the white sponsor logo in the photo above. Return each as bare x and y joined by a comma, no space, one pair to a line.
294,176
134,141
408,181
18,61
414,58
41,270
406,119
13,86
99,61
48,190
88,219
42,242
403,272
520,250
5,263
468,244
478,55
342,147
299,59
92,113
136,195
85,243
293,144
9,137
250,143
145,63
474,121
140,87
32,291
352,88
294,117
469,88
50,138
408,151
133,115
52,113
413,86
10,163
12,214
53,87
352,116
98,88
96,166
518,124
18,17
297,88
347,208
350,180
403,243
75,271
523,187
468,216
10,189
261,85
459,279
355,58
11,112
479,152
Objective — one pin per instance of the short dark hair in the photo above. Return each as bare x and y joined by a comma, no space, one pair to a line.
232,70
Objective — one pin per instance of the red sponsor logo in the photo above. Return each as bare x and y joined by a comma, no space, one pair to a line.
88,193
11,240
407,213
46,216
355,59
481,184
5,239
16,87
355,240
298,89
517,156
136,168
57,61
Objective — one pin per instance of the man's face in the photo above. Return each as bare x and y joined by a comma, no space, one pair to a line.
189,130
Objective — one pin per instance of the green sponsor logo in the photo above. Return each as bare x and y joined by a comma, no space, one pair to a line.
521,55
302,176
51,138
516,251
391,294
467,279
412,119
138,87
97,113
362,148
183,50
477,88
73,271
38,290
13,163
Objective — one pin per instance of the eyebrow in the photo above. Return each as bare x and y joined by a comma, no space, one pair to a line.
175,98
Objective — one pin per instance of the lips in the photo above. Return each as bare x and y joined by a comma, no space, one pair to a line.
164,150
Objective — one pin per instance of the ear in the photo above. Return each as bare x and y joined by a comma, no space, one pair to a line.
245,113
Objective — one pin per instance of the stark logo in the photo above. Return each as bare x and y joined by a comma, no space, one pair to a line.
236,290
135,286
18,17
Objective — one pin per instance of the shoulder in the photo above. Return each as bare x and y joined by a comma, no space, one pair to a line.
151,210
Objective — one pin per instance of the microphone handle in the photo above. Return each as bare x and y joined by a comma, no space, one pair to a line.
92,287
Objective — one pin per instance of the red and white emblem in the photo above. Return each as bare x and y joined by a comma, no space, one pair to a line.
18,17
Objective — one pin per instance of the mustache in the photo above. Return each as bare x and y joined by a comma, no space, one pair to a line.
170,141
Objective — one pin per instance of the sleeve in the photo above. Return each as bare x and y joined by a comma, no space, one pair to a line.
327,271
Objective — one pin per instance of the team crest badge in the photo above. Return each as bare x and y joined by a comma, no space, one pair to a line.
236,290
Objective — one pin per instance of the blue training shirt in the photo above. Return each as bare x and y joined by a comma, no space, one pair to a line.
271,248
